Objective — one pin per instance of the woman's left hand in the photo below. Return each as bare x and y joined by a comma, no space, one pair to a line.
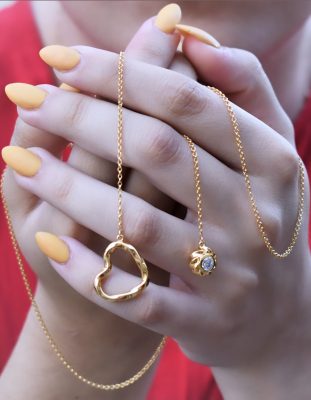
240,315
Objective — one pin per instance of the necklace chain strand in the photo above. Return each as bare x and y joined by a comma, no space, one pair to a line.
236,131
120,144
259,222
43,324
35,306
197,178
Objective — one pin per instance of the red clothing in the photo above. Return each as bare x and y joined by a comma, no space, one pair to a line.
177,378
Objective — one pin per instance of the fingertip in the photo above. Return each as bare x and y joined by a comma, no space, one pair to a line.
53,247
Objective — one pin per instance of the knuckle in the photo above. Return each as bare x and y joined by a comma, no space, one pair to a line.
143,229
273,224
151,312
253,65
63,187
162,145
24,135
77,111
188,99
288,165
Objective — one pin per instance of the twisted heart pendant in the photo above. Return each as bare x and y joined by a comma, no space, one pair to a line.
139,261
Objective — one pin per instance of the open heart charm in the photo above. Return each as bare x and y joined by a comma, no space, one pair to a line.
139,261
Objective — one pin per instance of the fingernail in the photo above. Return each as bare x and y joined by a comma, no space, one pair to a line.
168,17
198,34
69,88
52,246
23,161
25,95
60,57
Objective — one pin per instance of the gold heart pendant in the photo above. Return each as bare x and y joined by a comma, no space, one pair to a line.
139,261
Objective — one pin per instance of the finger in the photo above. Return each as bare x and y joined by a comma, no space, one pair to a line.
183,103
153,46
92,165
136,183
240,75
146,227
181,65
150,146
155,308
25,135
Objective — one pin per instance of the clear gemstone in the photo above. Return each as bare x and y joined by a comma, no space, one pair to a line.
208,263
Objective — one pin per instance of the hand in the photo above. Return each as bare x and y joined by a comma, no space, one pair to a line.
61,305
212,318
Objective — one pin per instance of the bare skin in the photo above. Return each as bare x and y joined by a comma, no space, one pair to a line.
287,57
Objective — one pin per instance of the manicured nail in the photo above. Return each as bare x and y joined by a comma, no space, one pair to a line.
60,57
23,161
52,246
69,88
168,17
198,34
25,95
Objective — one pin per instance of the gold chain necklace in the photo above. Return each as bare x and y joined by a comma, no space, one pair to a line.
119,243
260,225
54,346
202,261
113,246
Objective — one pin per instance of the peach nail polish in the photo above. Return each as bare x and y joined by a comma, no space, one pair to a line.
69,88
23,161
198,34
25,95
52,246
168,17
60,57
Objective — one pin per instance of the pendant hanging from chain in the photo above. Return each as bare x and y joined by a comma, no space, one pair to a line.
119,243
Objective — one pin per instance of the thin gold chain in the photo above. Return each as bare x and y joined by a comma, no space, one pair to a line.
120,235
259,222
27,285
197,179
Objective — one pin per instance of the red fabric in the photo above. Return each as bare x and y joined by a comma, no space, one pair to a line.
176,377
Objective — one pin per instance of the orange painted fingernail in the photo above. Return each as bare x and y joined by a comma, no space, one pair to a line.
23,161
69,88
52,246
168,17
60,57
198,34
25,95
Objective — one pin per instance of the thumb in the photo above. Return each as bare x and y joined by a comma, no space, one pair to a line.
240,75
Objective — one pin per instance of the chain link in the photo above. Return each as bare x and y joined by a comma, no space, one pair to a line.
197,180
35,306
120,235
259,222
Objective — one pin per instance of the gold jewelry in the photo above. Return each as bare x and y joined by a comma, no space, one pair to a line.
44,327
260,225
112,247
119,243
203,260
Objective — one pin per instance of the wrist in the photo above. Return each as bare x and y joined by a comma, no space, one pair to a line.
100,346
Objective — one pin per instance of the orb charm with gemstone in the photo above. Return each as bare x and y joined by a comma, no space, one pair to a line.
203,261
